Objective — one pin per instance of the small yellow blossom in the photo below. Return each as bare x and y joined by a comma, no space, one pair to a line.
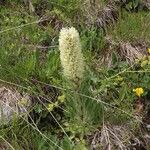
148,50
139,91
61,98
119,78
50,107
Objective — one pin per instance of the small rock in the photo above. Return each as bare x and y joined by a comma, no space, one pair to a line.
12,103
148,126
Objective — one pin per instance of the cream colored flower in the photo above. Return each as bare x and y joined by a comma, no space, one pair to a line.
70,53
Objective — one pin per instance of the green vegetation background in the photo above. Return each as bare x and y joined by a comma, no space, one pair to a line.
29,61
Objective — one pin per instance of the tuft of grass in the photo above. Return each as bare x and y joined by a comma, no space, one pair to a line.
131,27
61,117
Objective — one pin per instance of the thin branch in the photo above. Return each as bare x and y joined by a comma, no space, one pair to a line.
24,25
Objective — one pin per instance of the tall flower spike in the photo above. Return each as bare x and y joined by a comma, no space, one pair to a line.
70,54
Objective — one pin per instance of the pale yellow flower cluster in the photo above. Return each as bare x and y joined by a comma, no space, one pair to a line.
70,54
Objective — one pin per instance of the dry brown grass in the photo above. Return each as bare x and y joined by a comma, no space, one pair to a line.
99,14
112,137
127,51
132,51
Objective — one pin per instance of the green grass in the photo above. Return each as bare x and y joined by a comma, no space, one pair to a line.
131,27
29,62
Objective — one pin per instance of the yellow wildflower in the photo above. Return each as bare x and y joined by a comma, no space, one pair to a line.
139,91
50,107
148,50
119,78
61,98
